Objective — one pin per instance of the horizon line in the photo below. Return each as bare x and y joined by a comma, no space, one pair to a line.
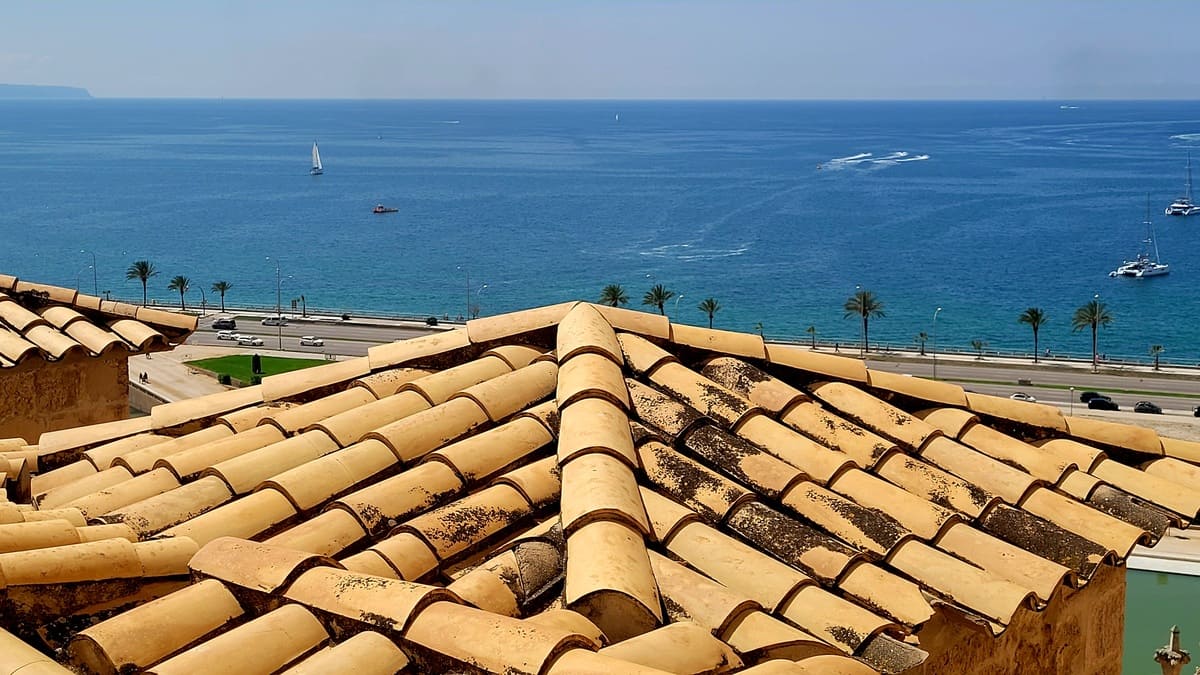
1043,99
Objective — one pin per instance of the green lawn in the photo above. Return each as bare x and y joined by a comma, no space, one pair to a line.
238,365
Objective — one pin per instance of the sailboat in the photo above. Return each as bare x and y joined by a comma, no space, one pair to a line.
1184,206
1143,265
317,169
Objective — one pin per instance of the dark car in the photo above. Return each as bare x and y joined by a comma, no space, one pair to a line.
1103,403
1147,407
1086,396
224,324
1196,411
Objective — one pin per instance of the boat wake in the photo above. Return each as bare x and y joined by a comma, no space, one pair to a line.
688,252
1190,138
448,122
896,157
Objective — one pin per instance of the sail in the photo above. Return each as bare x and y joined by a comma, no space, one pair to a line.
316,158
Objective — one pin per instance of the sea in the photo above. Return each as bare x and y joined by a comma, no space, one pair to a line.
778,210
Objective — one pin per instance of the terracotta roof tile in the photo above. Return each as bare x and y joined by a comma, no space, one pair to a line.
820,510
182,618
265,644
365,653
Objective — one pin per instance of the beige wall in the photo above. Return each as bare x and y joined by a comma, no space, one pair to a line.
1080,633
40,397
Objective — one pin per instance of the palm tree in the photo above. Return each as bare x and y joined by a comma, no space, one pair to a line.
1094,314
921,339
1034,317
221,287
979,345
658,295
141,270
181,284
812,333
759,327
1156,351
709,306
614,295
864,304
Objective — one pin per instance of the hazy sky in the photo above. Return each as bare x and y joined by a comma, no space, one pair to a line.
607,49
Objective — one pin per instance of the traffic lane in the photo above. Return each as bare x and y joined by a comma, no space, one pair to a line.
1065,398
348,339
324,328
1081,380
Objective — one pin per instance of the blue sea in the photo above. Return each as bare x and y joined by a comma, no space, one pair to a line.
779,210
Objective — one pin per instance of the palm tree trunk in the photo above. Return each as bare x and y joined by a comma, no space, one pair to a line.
222,303
143,292
1095,365
866,341
181,305
710,320
1035,346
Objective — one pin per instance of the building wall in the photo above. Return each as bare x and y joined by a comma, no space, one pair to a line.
1080,633
39,397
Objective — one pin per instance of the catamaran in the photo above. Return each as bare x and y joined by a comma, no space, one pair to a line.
1184,206
317,169
1143,265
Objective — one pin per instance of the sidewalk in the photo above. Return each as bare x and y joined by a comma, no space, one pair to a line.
171,379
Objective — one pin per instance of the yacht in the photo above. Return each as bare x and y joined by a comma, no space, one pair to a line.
1143,265
1184,206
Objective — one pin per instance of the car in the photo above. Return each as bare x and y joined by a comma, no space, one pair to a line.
1196,411
1022,396
224,323
311,341
1086,396
249,340
1147,407
274,321
1103,403
226,335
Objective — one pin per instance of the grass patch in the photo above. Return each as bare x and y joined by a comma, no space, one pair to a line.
238,365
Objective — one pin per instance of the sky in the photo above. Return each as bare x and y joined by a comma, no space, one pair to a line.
706,49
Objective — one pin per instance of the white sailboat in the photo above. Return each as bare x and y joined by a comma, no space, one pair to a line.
317,169
1143,265
1184,206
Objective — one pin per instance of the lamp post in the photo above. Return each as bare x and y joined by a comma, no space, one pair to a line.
95,282
934,336
278,303
676,307
1071,402
467,271
81,269
474,311
203,302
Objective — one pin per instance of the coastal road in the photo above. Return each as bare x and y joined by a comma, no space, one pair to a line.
343,339
1050,384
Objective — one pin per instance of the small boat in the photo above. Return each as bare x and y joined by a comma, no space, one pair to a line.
380,208
1143,265
1184,206
317,169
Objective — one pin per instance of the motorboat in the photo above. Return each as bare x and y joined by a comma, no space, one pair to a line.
380,208
1144,265
1183,206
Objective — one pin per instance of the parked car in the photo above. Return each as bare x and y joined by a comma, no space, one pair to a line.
275,321
1022,396
1147,407
226,335
224,323
1196,411
311,341
249,340
1086,396
1103,403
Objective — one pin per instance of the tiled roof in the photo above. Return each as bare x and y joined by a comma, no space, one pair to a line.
51,323
570,489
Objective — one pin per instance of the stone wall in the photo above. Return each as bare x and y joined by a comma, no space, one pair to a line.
1080,633
38,397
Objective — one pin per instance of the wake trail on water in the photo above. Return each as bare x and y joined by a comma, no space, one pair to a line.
895,157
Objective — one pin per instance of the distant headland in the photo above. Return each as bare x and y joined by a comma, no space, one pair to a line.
11,91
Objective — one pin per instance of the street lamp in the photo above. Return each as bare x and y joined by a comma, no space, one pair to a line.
203,302
478,294
676,307
467,271
934,336
278,303
1071,402
95,282
81,269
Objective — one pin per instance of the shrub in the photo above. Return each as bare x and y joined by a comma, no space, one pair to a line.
431,321
345,317
224,378
255,379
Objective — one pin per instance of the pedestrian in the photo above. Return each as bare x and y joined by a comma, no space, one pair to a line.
837,348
